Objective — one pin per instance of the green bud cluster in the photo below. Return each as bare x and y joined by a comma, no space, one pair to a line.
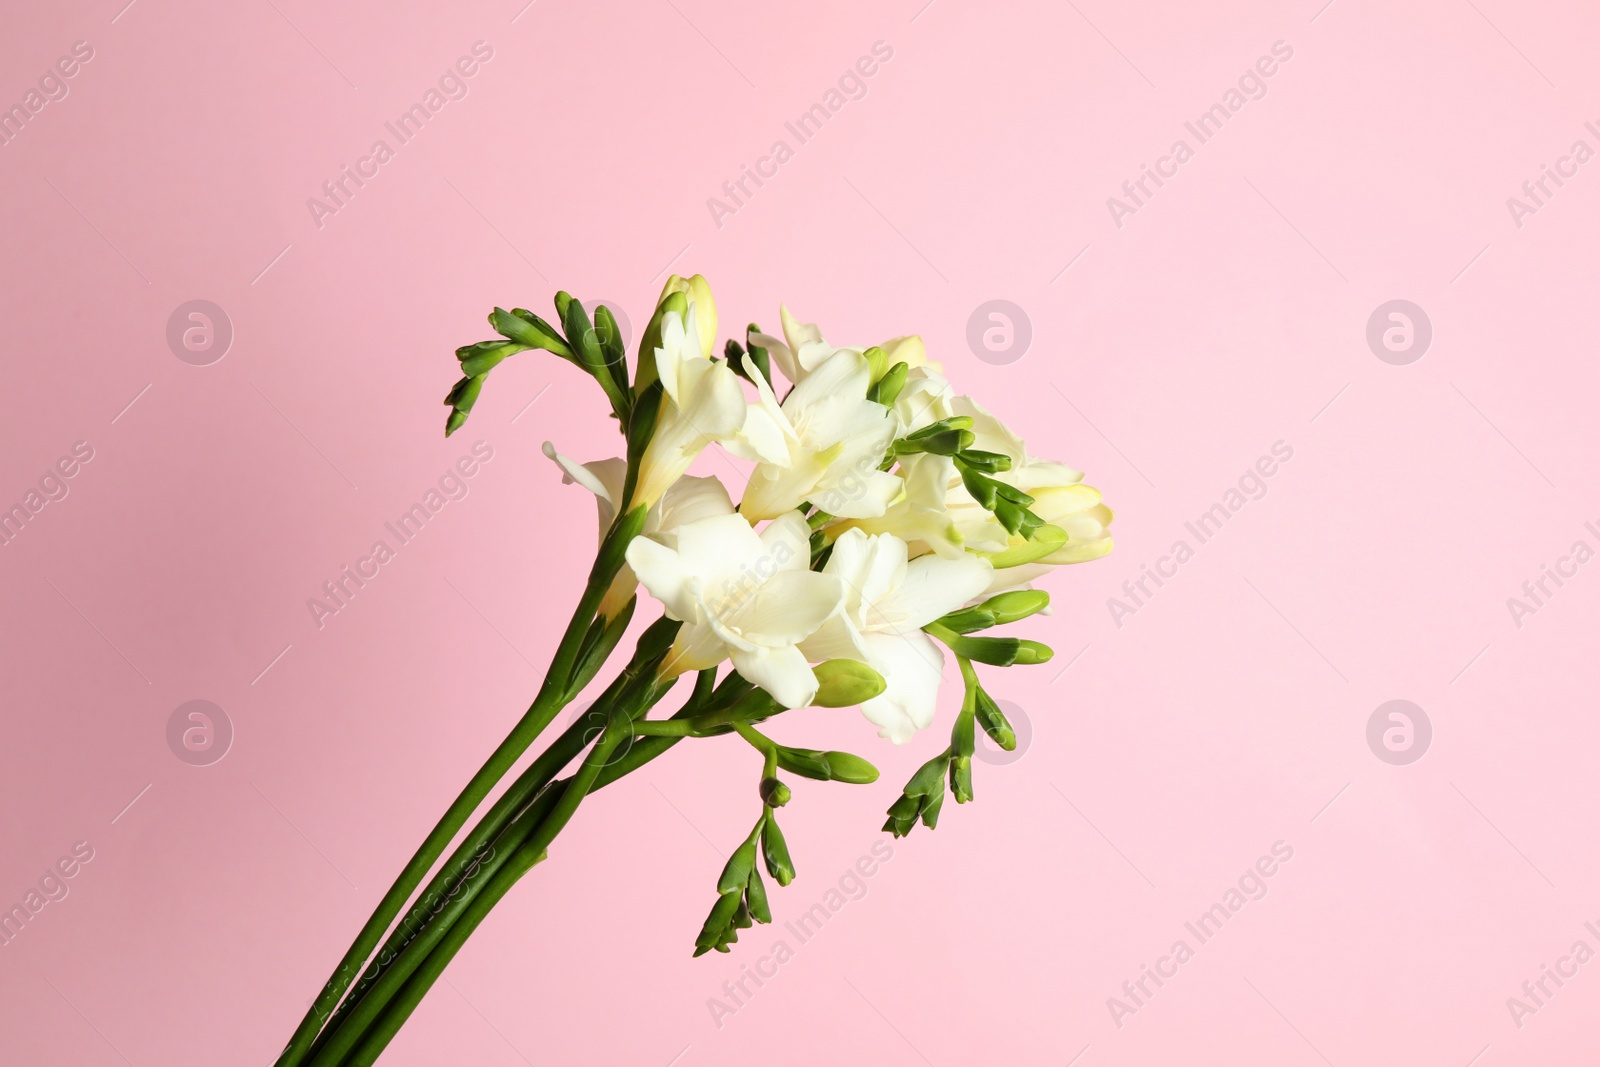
921,798
741,893
594,346
952,769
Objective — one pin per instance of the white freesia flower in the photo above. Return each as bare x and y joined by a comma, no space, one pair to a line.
703,402
822,444
1060,498
937,514
887,601
926,398
921,514
741,595
689,499
801,350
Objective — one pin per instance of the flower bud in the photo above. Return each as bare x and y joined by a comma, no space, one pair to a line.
775,851
755,897
887,389
842,683
877,362
1016,604
994,722
961,778
526,328
462,396
1031,652
647,375
849,768
908,350
736,872
774,794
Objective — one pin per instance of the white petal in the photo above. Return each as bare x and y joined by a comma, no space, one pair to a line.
722,552
779,353
783,672
787,540
866,497
604,478
787,609
661,571
844,374
691,499
933,587
797,333
913,669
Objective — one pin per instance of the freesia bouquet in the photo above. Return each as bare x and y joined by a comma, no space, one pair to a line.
885,517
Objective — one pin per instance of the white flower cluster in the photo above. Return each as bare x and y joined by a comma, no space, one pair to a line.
880,501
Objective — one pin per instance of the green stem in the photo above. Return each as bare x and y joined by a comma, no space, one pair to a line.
552,697
375,1036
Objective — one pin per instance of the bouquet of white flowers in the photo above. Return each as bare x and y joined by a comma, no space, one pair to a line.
885,516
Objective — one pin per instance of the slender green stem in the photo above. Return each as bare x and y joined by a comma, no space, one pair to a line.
762,744
552,696
468,855
374,1037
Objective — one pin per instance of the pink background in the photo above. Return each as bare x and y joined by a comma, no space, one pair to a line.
1168,753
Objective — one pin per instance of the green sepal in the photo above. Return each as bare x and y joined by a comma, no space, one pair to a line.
988,462
994,721
995,651
525,327
775,851
929,779
983,488
755,897
483,357
963,740
961,778
462,396
712,930
736,872
806,762
611,349
946,442
967,620
758,354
